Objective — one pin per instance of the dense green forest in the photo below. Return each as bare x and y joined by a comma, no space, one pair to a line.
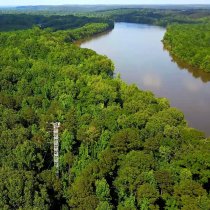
162,17
156,15
190,43
9,22
85,9
120,147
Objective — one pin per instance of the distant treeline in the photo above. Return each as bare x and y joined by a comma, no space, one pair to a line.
160,17
9,22
78,9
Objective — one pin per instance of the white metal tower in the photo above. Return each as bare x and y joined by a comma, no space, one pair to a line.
56,126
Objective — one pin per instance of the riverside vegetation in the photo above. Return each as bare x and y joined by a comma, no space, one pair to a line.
120,147
190,43
187,37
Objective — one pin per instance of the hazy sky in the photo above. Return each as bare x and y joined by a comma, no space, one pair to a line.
60,2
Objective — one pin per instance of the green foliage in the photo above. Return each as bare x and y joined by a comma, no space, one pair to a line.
120,147
147,195
11,22
155,16
102,190
85,32
190,43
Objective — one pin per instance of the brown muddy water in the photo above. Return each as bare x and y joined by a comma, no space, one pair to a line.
140,58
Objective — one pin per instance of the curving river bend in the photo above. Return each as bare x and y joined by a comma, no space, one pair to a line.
139,57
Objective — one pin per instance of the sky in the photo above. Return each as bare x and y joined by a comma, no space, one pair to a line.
61,2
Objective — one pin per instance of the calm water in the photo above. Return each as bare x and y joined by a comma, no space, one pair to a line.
139,57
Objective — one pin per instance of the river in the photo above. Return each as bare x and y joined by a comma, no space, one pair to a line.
139,57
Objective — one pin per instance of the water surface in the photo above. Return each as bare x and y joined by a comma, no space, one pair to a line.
139,57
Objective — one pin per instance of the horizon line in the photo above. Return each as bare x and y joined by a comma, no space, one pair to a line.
160,4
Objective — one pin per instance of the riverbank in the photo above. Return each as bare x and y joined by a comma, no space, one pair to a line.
140,58
190,44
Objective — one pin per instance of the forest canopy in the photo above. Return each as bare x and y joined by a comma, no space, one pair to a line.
190,43
10,22
161,17
120,147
